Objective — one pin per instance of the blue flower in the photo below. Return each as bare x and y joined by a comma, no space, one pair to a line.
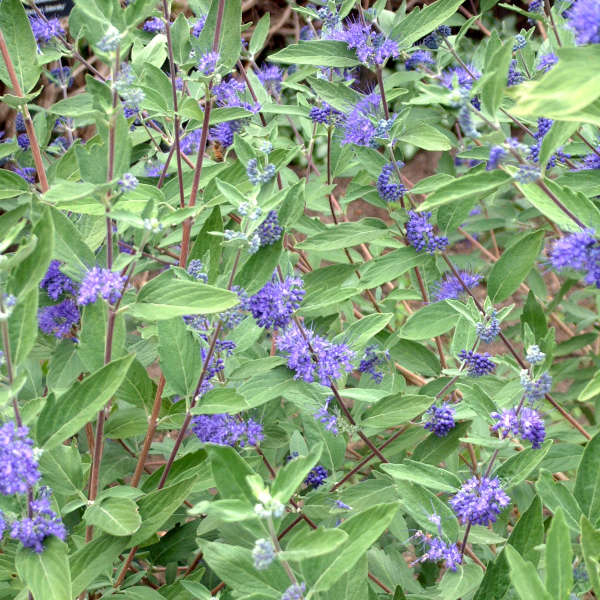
497,153
418,58
371,47
57,283
388,186
294,592
154,25
196,270
263,554
371,360
44,30
450,288
527,423
271,77
546,62
325,417
535,390
225,430
438,550
274,304
331,360
18,465
43,522
58,320
420,235
256,176
269,230
440,419
489,329
477,364
579,251
198,26
325,114
479,501
316,477
584,20
208,63
101,281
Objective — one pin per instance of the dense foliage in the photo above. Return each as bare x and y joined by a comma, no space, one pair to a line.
250,350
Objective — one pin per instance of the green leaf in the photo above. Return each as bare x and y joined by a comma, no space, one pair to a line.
524,577
116,516
533,315
553,94
419,23
46,574
62,470
227,400
94,558
345,235
587,482
459,583
307,543
478,184
11,184
429,321
327,53
390,266
591,390
364,330
165,297
395,410
290,477
555,495
210,244
258,269
180,35
514,265
590,546
260,34
559,556
425,136
22,327
420,504
229,40
156,508
433,450
363,529
494,80
423,474
179,355
139,592
559,133
518,467
21,44
230,471
63,417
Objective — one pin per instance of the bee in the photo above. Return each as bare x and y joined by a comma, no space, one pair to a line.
217,151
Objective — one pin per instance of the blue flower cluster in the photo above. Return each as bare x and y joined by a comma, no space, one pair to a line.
263,554
103,282
479,501
417,59
372,359
275,303
325,114
527,423
45,30
324,416
450,288
154,25
535,390
371,47
584,20
58,319
57,283
437,550
316,477
388,186
477,364
226,430
269,231
328,362
294,592
440,419
256,176
489,329
579,251
420,234
271,77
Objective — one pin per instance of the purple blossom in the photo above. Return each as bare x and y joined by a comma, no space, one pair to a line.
477,364
274,304
459,75
196,270
324,416
23,141
480,501
44,522
489,329
198,26
450,288
58,320
417,59
19,122
316,477
128,182
294,592
27,173
371,47
437,550
154,169
269,230
546,62
224,132
534,390
420,234
18,465
57,283
258,176
332,360
579,251
263,554
325,114
590,161
190,143
440,419
45,30
433,39
62,75
359,128
389,187
371,360
101,281
271,77
497,153
584,19
208,63
226,430
532,427
154,25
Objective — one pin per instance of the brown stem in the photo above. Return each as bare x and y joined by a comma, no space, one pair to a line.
554,28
